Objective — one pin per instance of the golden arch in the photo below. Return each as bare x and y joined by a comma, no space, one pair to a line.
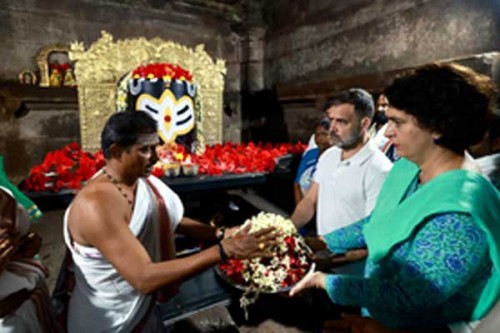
43,61
99,69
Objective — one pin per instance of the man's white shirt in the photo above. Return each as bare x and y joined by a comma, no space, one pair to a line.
348,189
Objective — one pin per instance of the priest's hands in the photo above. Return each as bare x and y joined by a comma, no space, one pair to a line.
230,232
243,245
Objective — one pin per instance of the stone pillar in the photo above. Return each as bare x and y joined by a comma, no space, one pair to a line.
253,48
252,32
232,90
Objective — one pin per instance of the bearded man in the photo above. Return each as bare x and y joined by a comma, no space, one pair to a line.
349,175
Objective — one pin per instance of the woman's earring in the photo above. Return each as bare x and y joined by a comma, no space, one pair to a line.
436,140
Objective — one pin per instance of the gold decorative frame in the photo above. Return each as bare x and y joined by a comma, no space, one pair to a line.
43,61
32,79
99,69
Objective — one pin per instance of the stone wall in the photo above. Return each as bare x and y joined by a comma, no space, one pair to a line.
322,44
27,26
302,103
44,126
319,40
265,44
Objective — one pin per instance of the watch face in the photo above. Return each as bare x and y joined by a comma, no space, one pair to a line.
220,232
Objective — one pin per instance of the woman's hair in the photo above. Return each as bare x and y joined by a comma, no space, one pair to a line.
124,129
448,99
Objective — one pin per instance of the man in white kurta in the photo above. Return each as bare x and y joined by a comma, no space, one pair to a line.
348,189
350,175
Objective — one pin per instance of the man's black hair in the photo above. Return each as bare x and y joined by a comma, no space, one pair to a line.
124,129
359,98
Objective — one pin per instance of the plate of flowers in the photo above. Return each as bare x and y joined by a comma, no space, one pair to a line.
278,273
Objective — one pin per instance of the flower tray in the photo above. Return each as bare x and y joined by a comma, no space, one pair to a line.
245,287
287,264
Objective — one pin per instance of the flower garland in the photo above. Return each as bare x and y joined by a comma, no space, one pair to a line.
288,265
163,71
153,71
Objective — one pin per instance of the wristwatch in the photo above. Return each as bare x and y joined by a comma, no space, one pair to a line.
219,233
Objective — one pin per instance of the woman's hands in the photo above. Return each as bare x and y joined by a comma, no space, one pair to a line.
349,256
324,258
242,244
311,280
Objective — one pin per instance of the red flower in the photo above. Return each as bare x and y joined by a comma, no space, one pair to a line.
87,167
36,182
65,168
290,241
70,166
160,70
241,158
234,268
99,160
157,172
297,268
65,66
55,66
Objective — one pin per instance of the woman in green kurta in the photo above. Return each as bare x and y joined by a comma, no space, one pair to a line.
433,238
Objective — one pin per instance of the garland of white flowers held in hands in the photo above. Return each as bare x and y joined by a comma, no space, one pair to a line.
287,264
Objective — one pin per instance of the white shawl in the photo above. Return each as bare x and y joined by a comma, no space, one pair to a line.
103,301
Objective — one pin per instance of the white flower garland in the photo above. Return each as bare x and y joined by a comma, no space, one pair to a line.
270,275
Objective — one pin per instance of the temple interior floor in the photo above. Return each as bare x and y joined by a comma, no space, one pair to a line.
49,227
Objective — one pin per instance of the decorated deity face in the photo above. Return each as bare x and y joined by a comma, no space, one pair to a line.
175,117
166,92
